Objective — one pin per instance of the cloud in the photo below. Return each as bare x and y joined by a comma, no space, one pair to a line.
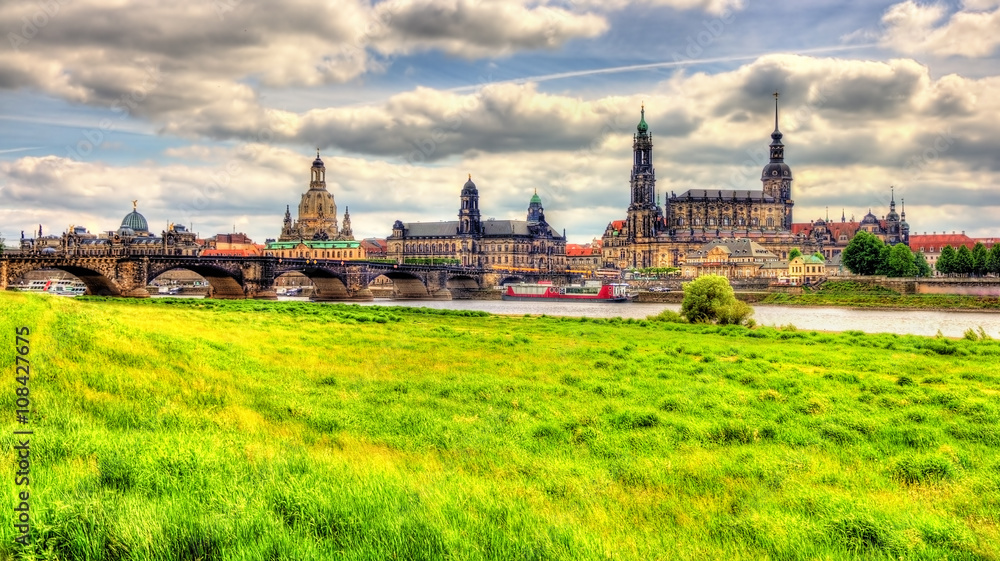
480,28
914,29
934,138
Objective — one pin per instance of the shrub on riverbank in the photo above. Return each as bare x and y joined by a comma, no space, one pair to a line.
710,299
287,430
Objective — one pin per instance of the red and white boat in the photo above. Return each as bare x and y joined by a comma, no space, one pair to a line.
591,291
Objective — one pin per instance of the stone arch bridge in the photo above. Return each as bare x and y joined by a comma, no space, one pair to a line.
253,277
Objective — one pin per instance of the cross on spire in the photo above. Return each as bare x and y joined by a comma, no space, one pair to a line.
776,94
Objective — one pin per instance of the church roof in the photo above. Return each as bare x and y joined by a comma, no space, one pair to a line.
715,194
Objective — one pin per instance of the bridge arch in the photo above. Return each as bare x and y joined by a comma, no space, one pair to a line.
98,282
223,284
511,279
463,281
329,284
406,285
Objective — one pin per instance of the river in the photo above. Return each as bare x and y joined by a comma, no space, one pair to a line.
914,322
951,323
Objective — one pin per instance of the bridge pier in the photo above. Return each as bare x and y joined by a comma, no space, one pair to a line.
136,293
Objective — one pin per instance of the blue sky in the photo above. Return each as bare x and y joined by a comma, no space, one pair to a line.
209,113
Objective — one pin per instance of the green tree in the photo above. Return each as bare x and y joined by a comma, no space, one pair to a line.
883,261
980,257
947,261
993,263
900,262
963,261
863,255
795,252
1,243
710,299
920,262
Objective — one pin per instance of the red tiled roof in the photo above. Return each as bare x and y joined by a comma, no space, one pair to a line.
938,241
376,243
230,252
835,228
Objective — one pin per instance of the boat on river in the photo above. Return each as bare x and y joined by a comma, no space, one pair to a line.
589,291
62,287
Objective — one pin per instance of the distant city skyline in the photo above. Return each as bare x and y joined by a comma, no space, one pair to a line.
209,113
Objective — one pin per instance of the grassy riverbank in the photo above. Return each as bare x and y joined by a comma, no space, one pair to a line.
858,295
193,429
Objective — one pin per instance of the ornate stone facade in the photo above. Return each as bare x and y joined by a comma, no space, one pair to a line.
652,236
832,237
472,242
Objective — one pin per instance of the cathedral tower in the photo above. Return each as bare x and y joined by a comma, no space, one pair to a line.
642,211
777,176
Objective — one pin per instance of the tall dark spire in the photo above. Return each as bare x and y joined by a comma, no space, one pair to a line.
776,94
777,148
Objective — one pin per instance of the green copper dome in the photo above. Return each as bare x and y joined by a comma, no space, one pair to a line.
535,199
643,127
135,221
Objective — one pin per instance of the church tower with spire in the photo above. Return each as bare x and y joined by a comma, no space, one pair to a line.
346,233
643,212
777,176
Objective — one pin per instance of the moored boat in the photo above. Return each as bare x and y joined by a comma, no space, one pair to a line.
61,287
591,292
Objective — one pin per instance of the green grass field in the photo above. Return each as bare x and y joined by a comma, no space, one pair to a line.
194,429
858,295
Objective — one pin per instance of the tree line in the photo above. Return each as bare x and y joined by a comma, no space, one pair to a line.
869,255
978,261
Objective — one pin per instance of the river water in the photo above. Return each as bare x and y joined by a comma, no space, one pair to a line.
952,323
913,322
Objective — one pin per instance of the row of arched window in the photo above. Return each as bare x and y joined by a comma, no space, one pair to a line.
754,222
430,247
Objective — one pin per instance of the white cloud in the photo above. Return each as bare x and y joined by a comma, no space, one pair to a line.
913,28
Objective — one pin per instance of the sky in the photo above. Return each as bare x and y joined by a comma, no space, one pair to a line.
209,112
